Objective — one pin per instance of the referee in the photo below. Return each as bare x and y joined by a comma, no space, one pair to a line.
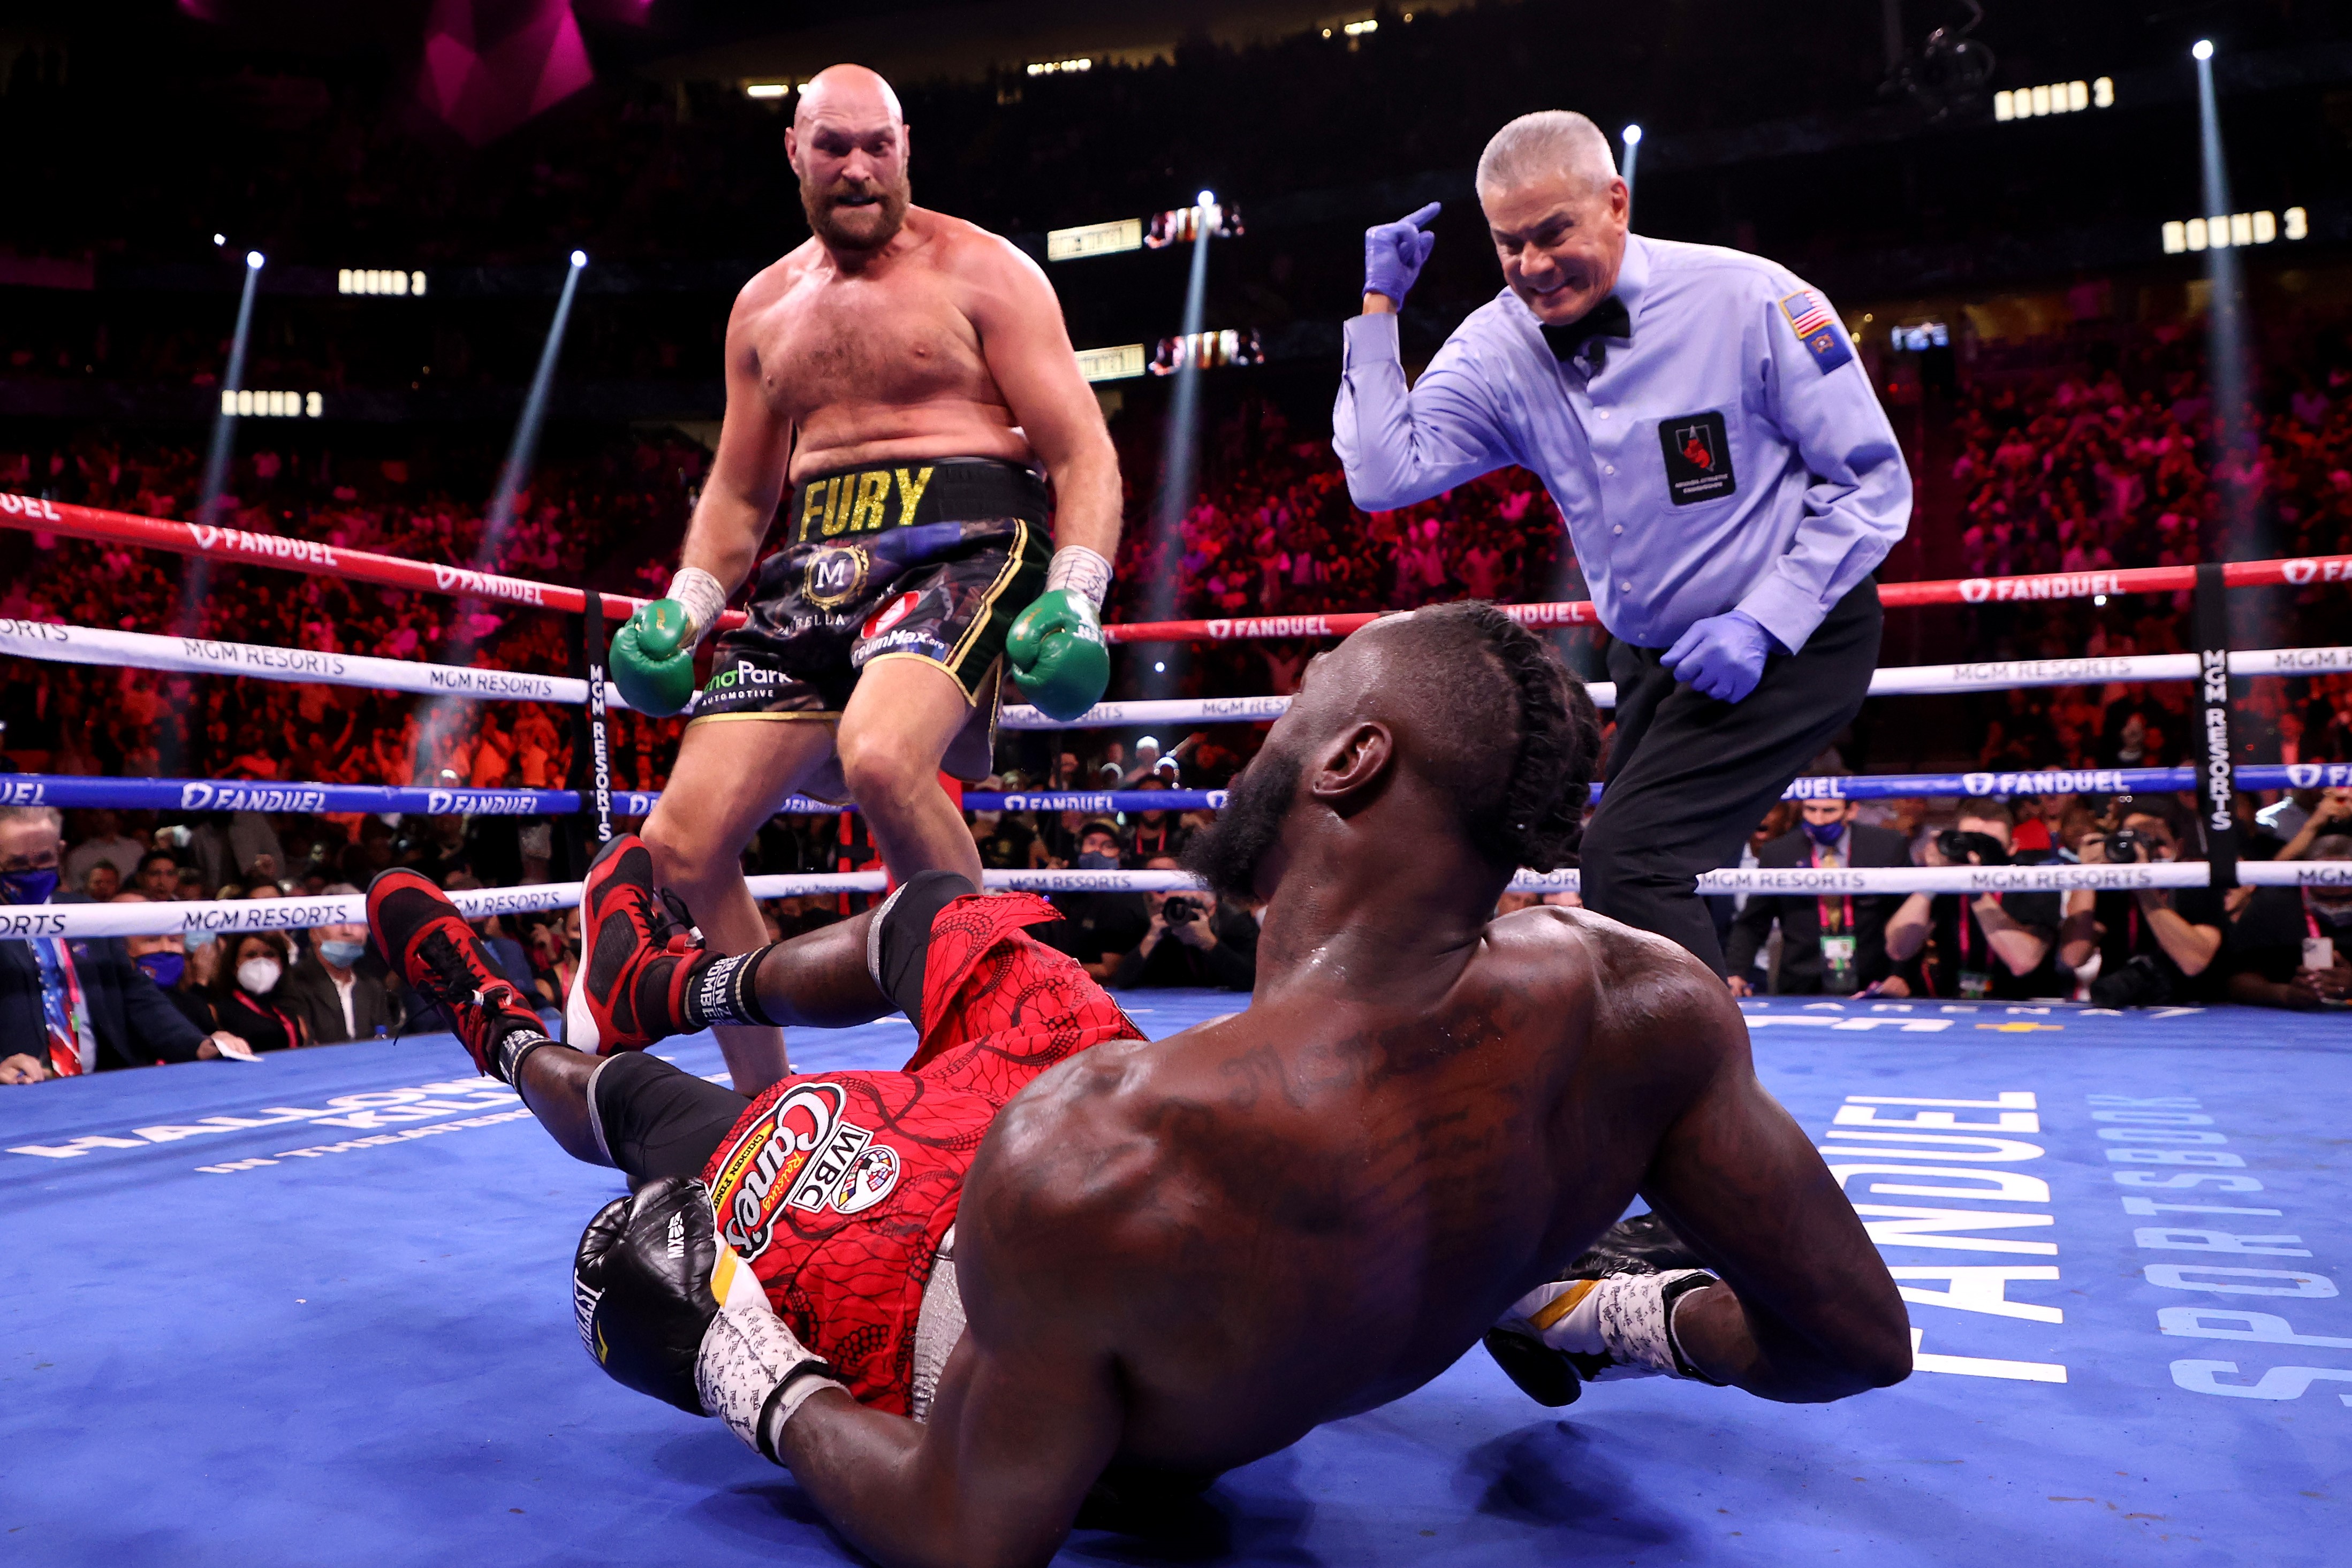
1728,478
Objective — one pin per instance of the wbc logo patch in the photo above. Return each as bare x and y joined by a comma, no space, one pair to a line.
794,1157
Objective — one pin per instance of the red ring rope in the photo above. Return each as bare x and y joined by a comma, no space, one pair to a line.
390,572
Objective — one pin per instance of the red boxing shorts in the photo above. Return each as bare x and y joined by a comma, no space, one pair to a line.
839,1187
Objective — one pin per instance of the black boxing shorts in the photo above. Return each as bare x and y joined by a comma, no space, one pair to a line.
927,560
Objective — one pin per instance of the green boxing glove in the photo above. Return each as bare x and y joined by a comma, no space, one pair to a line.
653,653
1059,659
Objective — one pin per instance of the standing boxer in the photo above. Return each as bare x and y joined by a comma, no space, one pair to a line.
907,373
1728,476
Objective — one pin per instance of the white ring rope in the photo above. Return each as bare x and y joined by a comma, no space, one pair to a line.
286,914
203,657
1910,680
146,651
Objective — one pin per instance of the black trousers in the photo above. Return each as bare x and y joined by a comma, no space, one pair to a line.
1689,776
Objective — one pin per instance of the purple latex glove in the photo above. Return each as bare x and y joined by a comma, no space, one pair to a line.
1722,656
1393,253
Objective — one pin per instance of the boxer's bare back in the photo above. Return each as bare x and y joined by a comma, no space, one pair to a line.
1176,1256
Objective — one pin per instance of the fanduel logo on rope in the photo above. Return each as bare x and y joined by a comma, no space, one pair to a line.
204,795
2082,781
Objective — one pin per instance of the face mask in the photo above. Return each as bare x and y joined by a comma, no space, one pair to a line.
2333,911
1825,833
259,976
1095,860
342,955
29,886
163,968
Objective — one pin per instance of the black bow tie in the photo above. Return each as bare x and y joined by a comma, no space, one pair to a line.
1606,319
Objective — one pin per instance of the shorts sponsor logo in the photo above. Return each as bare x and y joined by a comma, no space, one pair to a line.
833,576
890,614
905,638
794,1155
872,1177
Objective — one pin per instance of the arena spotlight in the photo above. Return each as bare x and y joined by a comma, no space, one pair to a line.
1179,448
445,714
195,582
1631,137
2225,325
220,239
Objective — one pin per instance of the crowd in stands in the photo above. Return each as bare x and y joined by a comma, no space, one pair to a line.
596,519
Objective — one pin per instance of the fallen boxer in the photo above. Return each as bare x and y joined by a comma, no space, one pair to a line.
1170,1258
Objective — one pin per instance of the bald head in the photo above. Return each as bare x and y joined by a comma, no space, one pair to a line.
848,144
848,94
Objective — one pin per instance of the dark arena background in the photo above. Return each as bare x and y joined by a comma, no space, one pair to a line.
360,367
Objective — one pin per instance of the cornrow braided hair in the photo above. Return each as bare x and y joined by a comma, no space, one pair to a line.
1541,819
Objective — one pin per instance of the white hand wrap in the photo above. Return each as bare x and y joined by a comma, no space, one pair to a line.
752,1373
703,597
1626,1318
1081,570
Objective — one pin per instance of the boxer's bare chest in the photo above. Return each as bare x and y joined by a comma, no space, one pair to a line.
841,354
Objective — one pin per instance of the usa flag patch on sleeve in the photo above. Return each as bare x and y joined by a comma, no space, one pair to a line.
1817,328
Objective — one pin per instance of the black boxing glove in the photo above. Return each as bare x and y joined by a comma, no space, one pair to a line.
648,1281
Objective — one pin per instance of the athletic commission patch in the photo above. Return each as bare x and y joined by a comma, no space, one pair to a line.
1817,328
1699,457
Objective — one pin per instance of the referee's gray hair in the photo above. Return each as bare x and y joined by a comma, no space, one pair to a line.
1549,141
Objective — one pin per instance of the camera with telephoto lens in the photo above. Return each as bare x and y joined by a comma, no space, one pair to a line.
1957,846
2142,983
1181,910
2127,846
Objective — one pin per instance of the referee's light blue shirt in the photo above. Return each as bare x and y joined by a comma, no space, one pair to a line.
1813,493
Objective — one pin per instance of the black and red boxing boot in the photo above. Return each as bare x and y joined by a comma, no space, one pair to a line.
641,977
427,942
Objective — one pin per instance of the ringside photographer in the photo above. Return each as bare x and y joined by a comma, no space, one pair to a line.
1193,939
1987,945
2155,946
